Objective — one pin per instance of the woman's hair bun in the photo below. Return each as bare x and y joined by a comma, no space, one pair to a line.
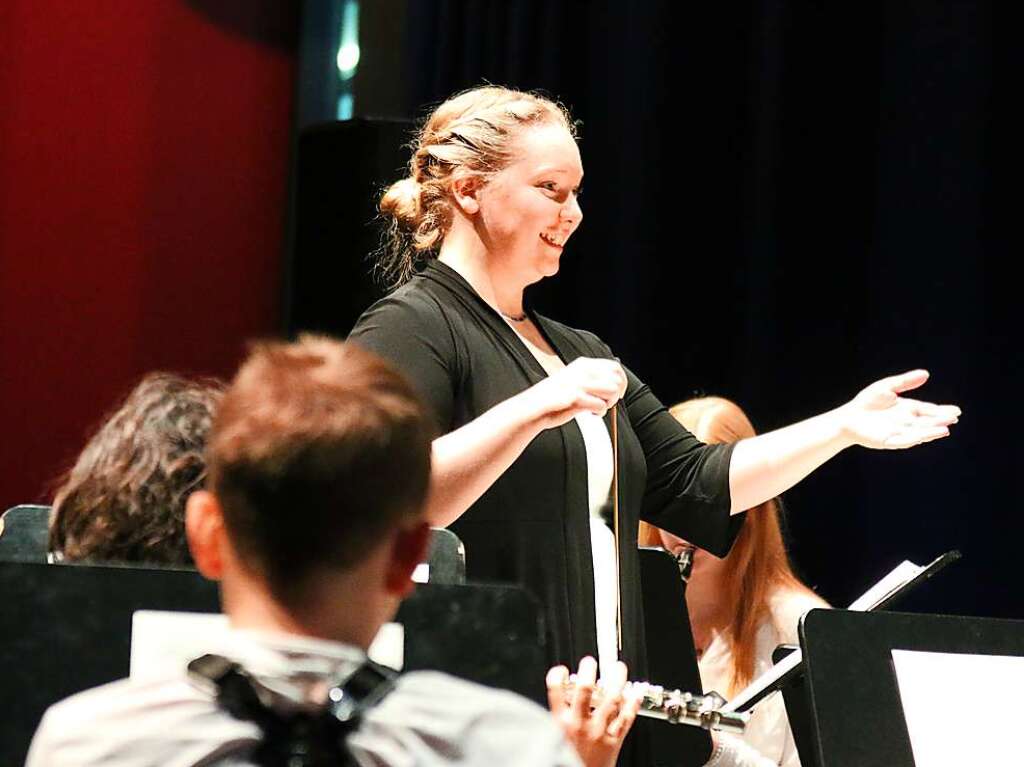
402,202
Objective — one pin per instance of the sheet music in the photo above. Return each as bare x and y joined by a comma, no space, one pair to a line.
947,725
900,575
165,641
903,573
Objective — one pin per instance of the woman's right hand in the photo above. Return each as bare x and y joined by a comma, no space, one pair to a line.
585,385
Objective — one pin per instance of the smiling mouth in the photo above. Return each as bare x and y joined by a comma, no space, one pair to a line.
553,240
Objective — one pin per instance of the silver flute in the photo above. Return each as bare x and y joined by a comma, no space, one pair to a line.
674,706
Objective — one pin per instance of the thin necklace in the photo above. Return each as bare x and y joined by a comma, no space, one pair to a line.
517,318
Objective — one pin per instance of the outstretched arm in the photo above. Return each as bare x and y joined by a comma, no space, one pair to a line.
878,417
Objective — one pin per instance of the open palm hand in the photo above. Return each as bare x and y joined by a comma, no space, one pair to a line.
878,417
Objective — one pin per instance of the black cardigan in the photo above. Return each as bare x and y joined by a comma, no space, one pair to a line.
531,527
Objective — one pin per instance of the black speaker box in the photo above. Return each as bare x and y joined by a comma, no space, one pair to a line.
341,170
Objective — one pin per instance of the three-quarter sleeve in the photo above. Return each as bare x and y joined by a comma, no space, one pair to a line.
687,490
413,335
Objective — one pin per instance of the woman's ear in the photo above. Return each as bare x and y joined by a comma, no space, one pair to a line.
204,528
465,191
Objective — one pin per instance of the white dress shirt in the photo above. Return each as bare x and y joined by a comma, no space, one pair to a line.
428,718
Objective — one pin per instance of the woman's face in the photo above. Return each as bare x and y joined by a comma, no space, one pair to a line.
530,209
705,565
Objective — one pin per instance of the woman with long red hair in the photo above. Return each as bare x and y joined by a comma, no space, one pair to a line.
743,606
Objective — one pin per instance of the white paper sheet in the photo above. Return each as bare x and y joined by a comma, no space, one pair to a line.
164,641
961,709
903,573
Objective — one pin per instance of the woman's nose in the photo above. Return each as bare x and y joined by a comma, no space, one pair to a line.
572,211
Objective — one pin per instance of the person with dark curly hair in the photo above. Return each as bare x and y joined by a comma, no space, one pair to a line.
124,498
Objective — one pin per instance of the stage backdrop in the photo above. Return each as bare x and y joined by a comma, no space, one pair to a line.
144,155
784,201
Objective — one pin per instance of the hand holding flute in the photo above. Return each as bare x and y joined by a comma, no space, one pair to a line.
674,706
594,719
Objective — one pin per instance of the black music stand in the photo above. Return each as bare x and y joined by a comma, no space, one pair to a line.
850,699
67,628
671,658
789,678
798,712
25,535
446,557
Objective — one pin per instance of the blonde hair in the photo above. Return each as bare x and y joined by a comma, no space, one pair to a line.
474,133
757,565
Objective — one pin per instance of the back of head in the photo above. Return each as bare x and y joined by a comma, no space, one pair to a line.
473,132
124,499
319,448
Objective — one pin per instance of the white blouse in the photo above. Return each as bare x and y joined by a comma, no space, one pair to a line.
768,740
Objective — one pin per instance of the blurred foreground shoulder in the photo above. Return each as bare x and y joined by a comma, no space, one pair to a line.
435,718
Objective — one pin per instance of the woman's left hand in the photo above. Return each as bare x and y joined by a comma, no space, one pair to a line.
879,418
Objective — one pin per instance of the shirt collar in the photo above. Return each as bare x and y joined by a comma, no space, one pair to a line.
280,654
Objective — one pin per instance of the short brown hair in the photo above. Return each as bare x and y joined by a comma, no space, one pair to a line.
317,450
124,499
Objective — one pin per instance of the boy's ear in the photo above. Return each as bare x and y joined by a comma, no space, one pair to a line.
206,533
408,549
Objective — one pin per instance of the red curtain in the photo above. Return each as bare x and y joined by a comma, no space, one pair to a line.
143,174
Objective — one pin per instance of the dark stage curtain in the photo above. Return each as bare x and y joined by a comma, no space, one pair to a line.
783,202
